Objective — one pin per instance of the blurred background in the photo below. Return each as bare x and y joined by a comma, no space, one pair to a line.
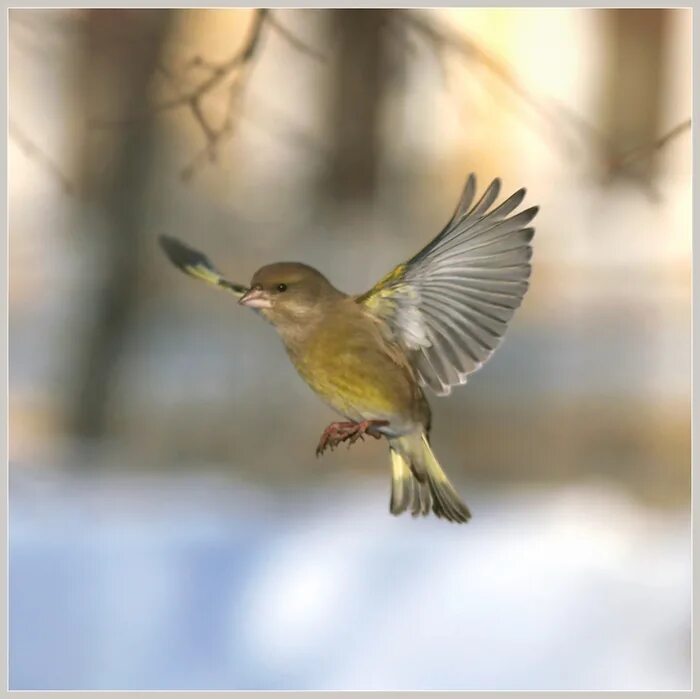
170,526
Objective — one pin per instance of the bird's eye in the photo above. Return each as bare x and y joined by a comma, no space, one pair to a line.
281,287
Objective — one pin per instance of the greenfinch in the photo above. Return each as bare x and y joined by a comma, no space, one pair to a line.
429,323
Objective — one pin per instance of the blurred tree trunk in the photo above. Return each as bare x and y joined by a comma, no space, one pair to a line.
358,86
119,59
633,93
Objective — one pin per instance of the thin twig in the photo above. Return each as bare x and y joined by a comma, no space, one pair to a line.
200,118
236,69
240,66
647,150
443,39
219,72
217,136
294,41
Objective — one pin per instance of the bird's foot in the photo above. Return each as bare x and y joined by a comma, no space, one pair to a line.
350,432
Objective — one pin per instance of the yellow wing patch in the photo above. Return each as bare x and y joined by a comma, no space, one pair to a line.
379,298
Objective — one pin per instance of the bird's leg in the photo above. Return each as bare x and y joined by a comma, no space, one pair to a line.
338,432
333,435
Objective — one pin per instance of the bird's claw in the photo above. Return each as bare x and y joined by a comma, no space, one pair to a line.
350,432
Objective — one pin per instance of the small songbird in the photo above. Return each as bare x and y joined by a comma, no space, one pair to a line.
432,321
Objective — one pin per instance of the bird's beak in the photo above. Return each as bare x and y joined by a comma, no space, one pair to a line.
255,298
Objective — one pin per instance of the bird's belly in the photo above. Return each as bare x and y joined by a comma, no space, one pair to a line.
349,393
356,388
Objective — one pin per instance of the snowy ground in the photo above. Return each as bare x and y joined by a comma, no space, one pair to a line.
200,583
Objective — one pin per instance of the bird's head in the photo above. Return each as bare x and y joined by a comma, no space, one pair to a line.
289,292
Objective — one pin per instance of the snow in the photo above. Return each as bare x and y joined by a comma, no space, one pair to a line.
201,582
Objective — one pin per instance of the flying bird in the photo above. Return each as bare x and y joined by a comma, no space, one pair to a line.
429,323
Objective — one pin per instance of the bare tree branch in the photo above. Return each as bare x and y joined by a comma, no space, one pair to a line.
233,73
556,115
216,136
218,73
293,40
649,149
236,70
443,40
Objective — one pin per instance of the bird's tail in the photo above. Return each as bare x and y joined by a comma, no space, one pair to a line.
418,482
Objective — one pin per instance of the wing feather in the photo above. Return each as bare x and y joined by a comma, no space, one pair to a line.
465,201
487,198
197,265
449,306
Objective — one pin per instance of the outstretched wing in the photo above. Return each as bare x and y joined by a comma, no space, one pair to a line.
449,305
197,265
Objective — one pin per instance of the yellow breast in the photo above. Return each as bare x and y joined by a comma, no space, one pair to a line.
348,367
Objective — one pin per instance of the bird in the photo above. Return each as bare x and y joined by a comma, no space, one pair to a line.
428,324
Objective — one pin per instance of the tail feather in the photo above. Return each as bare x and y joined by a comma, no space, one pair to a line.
419,483
407,492
401,484
421,498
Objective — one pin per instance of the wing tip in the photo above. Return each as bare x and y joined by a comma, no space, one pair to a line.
179,254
